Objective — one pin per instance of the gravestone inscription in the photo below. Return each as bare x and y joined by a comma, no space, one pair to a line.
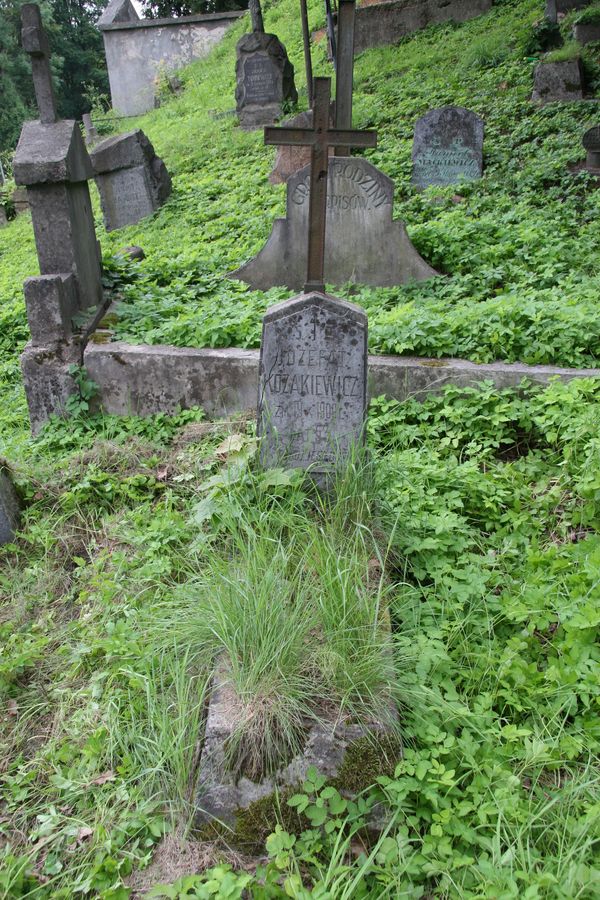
363,243
312,381
447,147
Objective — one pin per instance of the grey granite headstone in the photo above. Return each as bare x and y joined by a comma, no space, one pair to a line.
52,161
591,143
132,180
363,243
265,79
9,507
447,147
312,382
558,81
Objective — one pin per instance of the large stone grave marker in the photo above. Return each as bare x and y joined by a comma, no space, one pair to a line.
265,76
447,147
132,180
363,242
312,396
52,162
562,80
9,507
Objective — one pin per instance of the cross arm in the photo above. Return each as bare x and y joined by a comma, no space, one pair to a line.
292,137
341,137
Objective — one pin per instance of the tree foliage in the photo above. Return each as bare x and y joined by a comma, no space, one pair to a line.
158,9
78,62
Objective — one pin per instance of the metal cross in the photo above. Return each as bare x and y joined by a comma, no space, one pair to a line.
35,42
319,138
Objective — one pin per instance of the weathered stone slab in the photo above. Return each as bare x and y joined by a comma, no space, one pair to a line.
132,180
265,79
48,384
586,32
20,201
591,143
447,147
312,391
137,379
51,302
222,795
51,154
63,226
91,132
9,506
363,244
558,81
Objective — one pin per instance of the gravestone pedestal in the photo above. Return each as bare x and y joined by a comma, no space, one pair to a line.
265,79
132,180
558,81
363,243
447,147
9,507
52,162
312,382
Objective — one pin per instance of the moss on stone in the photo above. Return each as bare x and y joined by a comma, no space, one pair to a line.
255,823
366,759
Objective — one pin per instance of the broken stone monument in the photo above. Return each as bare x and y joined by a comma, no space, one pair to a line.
9,506
591,144
264,76
132,180
363,242
52,162
558,81
447,147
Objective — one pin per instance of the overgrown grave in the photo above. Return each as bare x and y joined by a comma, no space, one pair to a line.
311,416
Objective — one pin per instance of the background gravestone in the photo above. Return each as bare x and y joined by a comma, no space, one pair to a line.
558,81
9,507
447,147
290,159
132,180
591,143
265,79
312,382
363,244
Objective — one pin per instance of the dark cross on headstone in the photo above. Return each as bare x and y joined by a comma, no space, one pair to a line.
35,42
319,138
345,68
256,16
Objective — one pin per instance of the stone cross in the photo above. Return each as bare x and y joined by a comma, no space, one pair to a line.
319,138
35,42
256,15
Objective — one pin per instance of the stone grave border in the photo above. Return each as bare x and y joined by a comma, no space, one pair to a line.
139,379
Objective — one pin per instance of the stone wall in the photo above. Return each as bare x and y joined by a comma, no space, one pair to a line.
136,51
386,23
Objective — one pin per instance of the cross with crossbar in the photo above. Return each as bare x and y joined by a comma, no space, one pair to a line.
319,138
35,42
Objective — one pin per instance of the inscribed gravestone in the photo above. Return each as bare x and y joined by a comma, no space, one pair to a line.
265,79
363,243
312,381
447,147
132,180
591,143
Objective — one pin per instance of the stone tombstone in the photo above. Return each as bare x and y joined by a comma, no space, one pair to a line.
591,143
558,81
132,180
265,79
447,147
9,507
363,243
312,382
91,133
